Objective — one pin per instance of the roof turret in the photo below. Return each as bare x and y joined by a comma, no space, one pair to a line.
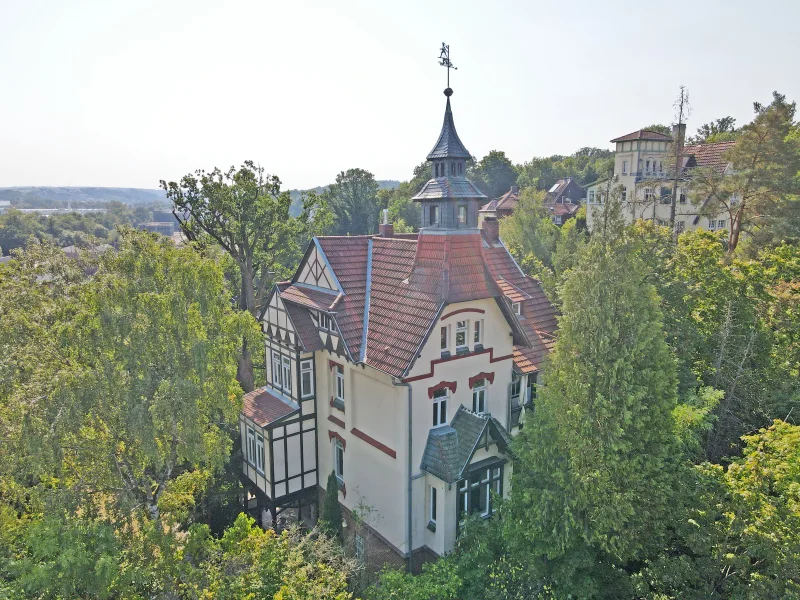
448,145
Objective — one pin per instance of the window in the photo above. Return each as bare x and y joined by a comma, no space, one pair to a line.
260,454
452,168
460,168
624,194
591,197
648,195
325,321
461,334
648,166
712,224
339,382
517,307
531,389
432,505
433,214
557,219
516,386
276,369
462,214
306,378
475,492
444,337
251,445
287,374
438,167
479,397
338,459
682,199
680,226
440,408
477,335
624,167
721,224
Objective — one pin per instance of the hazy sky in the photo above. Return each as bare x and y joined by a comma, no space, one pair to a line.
124,93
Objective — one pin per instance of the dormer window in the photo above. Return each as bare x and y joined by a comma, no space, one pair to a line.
517,308
325,321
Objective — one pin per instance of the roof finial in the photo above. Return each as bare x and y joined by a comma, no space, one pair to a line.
444,60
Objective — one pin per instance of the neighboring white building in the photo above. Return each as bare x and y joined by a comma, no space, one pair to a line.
403,364
644,175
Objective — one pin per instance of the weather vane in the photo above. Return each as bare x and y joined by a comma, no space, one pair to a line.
444,60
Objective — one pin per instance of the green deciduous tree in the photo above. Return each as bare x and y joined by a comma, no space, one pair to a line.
494,174
765,162
330,517
353,200
245,212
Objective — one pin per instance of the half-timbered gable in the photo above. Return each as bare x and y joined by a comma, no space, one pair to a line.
315,270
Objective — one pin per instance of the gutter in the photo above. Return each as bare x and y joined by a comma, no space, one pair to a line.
410,471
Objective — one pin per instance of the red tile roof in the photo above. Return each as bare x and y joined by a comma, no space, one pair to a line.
644,134
304,327
263,408
505,203
412,278
709,155
562,209
310,297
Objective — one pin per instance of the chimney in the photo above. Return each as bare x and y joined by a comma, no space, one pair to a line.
515,189
679,134
491,229
386,229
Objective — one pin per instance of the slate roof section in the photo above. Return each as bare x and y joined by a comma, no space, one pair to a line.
304,327
644,134
263,407
449,187
449,450
709,155
539,317
448,145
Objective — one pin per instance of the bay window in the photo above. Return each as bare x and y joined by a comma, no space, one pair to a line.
475,492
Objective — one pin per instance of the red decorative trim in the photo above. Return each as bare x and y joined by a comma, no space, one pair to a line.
334,406
463,310
333,434
482,375
451,385
338,422
436,361
332,364
373,442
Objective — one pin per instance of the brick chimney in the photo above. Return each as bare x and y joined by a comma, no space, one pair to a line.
386,229
491,229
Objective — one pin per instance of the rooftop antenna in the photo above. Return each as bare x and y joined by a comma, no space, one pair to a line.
444,60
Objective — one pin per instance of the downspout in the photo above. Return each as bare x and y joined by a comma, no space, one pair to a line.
410,470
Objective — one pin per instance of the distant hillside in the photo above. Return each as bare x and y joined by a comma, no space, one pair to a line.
383,184
57,197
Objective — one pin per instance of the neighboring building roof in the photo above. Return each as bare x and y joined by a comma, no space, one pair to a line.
448,145
644,134
505,203
568,188
264,407
449,450
449,187
562,209
709,155
310,297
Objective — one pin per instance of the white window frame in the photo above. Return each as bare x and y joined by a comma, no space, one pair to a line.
591,196
338,459
325,321
339,381
712,224
624,167
462,327
251,445
477,331
432,505
277,381
440,407
435,209
260,454
445,329
307,368
462,208
479,397
624,194
286,373
721,223
358,546
517,308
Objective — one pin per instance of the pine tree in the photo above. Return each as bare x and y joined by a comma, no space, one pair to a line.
595,471
330,521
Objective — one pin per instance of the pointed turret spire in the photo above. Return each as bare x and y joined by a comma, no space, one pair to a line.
448,145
